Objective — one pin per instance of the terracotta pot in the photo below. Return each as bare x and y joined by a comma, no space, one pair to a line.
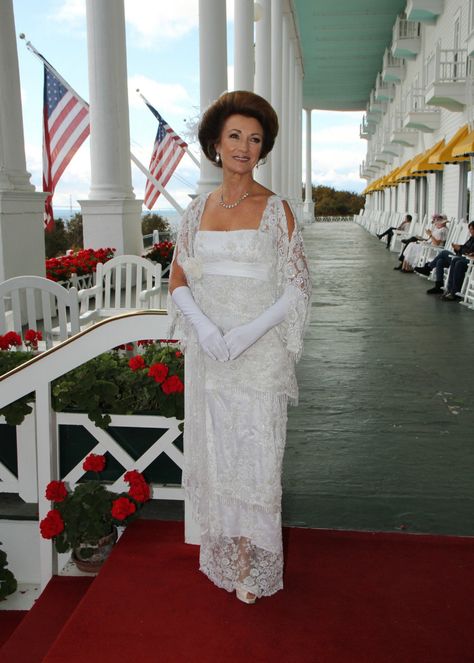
102,550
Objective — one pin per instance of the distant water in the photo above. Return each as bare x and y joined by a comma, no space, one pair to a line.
66,213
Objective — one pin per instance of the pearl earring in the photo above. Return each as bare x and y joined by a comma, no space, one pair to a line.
218,157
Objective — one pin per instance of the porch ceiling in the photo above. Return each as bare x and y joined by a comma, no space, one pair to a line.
343,42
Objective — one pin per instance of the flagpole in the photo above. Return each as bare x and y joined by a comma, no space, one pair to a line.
155,182
33,50
136,161
188,152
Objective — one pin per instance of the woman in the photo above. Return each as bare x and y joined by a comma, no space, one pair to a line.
240,292
436,237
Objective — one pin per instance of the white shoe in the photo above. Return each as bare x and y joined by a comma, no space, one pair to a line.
245,596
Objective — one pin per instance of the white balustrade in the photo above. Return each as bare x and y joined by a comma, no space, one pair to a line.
38,374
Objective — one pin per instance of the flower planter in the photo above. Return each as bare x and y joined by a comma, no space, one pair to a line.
101,551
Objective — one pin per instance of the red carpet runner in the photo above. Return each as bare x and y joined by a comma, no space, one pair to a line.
9,620
38,629
348,598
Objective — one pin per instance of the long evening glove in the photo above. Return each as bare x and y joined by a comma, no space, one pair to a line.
209,335
242,337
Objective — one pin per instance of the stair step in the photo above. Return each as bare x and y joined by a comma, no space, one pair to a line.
12,507
36,632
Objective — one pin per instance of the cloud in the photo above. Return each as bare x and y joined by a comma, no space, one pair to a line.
71,16
152,21
168,98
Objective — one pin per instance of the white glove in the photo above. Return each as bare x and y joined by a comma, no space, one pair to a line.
210,336
241,338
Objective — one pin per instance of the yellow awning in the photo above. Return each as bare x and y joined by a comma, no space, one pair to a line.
404,173
424,166
465,147
391,177
412,171
445,155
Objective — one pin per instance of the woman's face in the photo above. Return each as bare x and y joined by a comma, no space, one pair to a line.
240,144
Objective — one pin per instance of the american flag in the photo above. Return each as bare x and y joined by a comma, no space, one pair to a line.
65,127
168,151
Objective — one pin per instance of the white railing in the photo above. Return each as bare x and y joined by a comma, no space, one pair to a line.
391,62
404,29
25,483
79,282
334,219
415,101
36,376
446,65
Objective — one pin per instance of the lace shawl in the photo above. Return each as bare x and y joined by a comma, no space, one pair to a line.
292,274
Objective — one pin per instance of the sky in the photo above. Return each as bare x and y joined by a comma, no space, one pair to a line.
163,62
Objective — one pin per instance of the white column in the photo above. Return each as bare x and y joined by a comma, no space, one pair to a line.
285,105
263,81
21,208
308,197
291,122
212,72
244,60
276,77
111,215
299,138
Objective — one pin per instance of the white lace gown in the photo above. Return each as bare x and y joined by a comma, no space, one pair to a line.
236,411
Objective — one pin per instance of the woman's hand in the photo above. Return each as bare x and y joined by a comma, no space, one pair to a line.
241,338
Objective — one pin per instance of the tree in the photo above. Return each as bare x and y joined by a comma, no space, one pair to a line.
152,221
56,240
75,234
329,202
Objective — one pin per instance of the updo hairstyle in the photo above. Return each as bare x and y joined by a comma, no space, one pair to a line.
239,102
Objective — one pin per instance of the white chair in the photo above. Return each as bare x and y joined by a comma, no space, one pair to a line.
122,284
467,290
454,232
416,229
38,303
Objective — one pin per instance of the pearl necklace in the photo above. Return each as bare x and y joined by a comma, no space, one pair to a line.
232,205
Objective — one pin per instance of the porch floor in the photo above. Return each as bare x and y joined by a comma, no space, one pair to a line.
382,438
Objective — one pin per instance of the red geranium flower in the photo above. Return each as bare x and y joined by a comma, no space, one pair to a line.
122,508
158,371
51,525
136,362
133,476
173,385
32,337
178,354
9,339
140,491
94,463
56,491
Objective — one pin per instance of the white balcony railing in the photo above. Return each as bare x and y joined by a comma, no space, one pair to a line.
393,69
406,38
446,65
446,73
383,91
418,115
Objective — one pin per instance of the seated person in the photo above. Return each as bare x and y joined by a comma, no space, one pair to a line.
436,236
411,240
454,259
404,226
